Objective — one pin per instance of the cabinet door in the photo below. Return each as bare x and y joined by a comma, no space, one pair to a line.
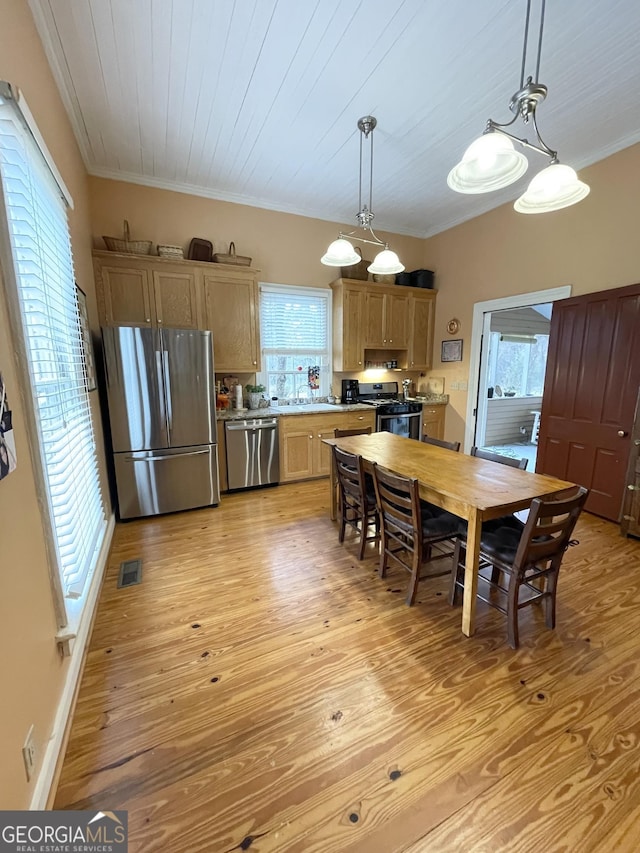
374,335
433,421
296,453
396,321
353,315
175,299
322,452
127,300
232,315
421,312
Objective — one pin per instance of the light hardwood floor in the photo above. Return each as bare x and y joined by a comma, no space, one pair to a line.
263,690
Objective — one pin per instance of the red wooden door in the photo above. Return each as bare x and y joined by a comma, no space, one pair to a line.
591,386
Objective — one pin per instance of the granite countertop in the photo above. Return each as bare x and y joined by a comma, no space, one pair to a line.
279,411
432,399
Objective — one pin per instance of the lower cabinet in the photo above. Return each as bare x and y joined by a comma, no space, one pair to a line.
433,420
302,453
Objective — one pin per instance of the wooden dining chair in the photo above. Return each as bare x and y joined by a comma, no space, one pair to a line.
408,527
439,442
357,505
519,568
513,461
342,433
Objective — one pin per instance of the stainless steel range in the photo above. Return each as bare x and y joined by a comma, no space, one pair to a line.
393,414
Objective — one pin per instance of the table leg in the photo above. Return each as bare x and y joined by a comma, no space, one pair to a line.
333,501
471,575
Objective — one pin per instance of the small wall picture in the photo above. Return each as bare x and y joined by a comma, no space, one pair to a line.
451,351
7,440
87,345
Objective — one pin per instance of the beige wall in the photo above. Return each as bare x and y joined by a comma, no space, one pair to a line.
32,674
285,248
590,246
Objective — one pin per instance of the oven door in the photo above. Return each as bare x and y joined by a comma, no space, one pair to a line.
406,425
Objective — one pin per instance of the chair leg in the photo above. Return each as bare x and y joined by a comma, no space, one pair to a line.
512,611
459,555
415,578
363,531
382,567
550,601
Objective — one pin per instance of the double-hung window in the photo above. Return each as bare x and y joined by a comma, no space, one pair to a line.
517,363
38,270
295,327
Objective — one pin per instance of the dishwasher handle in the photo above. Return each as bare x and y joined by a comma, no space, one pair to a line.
244,427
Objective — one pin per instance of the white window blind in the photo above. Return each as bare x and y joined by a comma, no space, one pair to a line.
40,245
295,334
293,321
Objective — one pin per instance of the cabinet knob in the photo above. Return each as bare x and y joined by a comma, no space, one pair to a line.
159,321
310,437
255,362
148,319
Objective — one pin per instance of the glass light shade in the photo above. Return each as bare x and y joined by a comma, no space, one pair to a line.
489,163
553,188
386,263
340,254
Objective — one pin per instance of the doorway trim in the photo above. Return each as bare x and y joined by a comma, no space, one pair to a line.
478,364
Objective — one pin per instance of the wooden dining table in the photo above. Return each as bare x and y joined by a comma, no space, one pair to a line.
471,488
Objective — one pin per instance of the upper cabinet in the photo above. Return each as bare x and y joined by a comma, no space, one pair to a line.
348,320
139,290
231,310
387,314
422,312
370,316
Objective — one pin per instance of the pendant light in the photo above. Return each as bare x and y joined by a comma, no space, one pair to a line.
492,162
341,252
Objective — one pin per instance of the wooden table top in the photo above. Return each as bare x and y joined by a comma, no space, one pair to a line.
455,481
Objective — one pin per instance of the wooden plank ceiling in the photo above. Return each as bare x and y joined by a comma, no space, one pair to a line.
257,102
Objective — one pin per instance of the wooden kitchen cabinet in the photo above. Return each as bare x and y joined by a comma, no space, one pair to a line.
433,420
422,311
231,311
302,453
376,317
139,290
386,323
136,290
348,318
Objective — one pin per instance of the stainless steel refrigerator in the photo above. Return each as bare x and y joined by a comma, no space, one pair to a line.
162,412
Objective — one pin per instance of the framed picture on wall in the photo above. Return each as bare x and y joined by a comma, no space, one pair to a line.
451,351
87,345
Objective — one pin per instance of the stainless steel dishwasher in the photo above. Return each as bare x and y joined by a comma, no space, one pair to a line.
252,453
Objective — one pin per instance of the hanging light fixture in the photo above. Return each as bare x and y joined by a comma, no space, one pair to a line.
341,252
492,162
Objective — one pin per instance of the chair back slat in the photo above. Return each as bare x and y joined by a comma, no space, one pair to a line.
548,530
342,433
513,461
439,442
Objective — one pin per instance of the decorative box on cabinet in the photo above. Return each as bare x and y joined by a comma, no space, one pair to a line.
302,453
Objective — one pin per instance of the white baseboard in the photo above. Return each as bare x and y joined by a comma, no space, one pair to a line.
47,771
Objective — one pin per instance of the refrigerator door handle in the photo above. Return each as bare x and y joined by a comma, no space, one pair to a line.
161,401
132,458
167,379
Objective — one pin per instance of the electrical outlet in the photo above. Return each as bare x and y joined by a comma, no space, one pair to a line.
453,386
463,386
29,754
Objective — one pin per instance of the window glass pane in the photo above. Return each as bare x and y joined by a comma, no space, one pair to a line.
519,368
294,325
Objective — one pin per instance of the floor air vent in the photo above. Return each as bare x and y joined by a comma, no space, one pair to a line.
130,573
